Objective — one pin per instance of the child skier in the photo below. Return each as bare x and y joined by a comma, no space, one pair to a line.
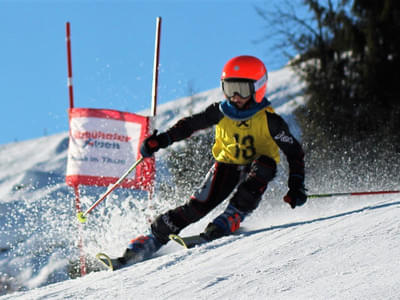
248,136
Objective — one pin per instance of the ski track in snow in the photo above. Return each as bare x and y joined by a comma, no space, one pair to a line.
351,254
337,248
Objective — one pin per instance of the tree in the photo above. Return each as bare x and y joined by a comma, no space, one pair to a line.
378,24
349,59
347,52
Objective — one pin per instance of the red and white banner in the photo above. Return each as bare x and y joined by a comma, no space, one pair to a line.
103,144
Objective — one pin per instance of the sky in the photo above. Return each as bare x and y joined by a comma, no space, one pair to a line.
112,55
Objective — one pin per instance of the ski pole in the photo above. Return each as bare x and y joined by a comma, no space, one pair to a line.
352,194
82,215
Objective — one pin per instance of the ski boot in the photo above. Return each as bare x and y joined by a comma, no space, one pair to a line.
139,249
225,224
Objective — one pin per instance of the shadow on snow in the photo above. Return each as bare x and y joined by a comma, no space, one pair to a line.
294,224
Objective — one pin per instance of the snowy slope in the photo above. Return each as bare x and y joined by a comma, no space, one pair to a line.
345,247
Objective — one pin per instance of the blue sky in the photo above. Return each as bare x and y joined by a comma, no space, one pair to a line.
112,55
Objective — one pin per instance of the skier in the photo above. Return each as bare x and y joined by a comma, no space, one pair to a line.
248,136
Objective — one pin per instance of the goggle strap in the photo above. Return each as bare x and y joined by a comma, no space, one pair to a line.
260,82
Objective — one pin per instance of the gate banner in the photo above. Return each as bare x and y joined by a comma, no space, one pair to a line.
103,144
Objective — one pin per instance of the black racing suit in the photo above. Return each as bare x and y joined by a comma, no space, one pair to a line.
250,180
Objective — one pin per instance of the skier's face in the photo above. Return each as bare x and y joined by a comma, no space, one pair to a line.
239,101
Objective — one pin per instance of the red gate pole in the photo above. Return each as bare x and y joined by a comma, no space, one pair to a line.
82,259
69,60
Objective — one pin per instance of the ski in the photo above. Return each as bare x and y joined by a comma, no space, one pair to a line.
197,239
108,263
128,259
188,241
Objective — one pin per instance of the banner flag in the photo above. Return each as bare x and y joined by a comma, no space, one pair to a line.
103,144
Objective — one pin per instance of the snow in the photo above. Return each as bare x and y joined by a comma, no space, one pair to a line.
331,248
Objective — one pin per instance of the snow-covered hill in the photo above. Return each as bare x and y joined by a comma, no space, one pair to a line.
342,249
333,248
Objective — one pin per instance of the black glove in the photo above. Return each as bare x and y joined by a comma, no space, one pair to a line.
153,143
297,193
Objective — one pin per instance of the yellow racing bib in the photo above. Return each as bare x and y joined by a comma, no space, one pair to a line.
240,142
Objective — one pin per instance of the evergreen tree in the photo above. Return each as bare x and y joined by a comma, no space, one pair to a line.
349,60
348,55
377,90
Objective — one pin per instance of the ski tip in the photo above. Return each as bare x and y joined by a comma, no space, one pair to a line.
105,260
178,239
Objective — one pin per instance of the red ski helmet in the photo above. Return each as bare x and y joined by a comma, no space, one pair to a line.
250,68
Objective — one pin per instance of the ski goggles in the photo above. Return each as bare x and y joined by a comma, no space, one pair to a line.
243,88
